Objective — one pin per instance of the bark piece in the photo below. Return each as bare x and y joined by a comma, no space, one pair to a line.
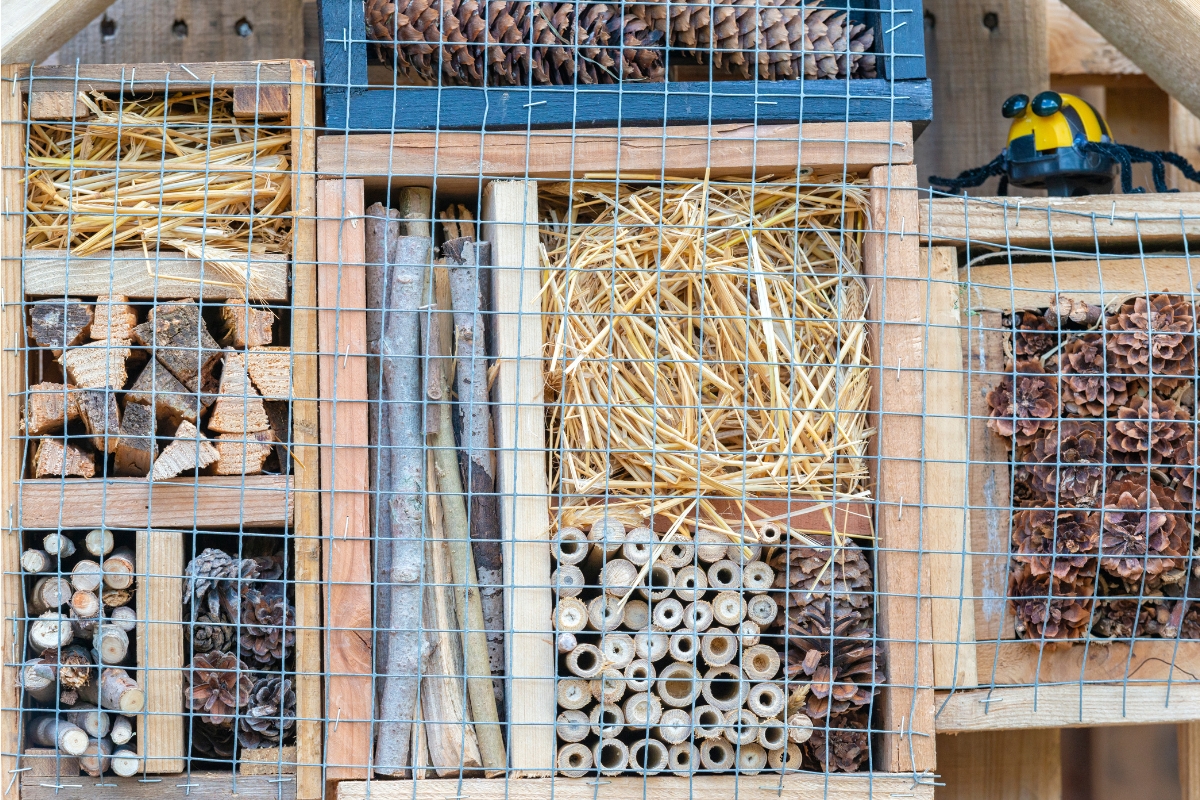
101,418
59,324
48,407
270,369
245,325
239,407
171,399
54,460
136,447
189,450
242,453
114,318
99,365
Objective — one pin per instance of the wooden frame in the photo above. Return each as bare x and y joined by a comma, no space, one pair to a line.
289,502
896,275
986,678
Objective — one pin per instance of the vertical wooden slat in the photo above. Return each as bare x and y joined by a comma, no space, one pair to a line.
1185,140
306,530
159,568
945,478
1189,760
510,224
345,525
897,312
1000,765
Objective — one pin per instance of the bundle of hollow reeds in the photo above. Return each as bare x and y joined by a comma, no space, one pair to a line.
176,172
705,341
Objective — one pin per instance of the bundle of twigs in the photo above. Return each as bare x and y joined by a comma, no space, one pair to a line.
176,172
705,341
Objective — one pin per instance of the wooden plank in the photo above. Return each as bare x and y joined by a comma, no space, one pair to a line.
687,151
310,783
1000,765
12,325
706,787
199,76
896,282
261,101
267,761
1075,48
1074,222
345,522
945,489
1188,735
1064,705
49,762
1034,285
252,500
169,276
1019,663
159,557
33,29
205,785
57,105
1185,139
510,215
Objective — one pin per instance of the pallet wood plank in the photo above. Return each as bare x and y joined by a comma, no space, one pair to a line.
1015,662
260,500
199,785
159,570
1188,735
1065,706
34,29
199,76
1000,765
345,524
510,225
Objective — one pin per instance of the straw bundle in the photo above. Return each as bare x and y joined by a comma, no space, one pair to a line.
173,173
705,341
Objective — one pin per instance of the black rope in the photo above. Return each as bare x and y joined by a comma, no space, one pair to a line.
974,177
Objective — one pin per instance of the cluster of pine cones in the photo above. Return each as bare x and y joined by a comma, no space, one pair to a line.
563,43
1100,413
243,631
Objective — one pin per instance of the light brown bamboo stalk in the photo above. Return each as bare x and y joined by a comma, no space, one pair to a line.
766,700
707,721
585,661
608,687
760,662
606,721
761,609
677,684
637,615
728,608
574,760
571,546
716,754
748,633
611,756
572,725
668,613
651,645
725,575
788,758
718,646
567,580
800,728
751,758
618,577
757,577
690,583
682,758
674,726
741,727
618,649
684,646
570,615
573,693
639,675
639,544
648,756
642,709
724,687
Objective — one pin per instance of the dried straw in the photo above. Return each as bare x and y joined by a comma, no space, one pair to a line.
178,173
704,341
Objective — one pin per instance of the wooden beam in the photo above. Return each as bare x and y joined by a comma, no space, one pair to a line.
34,29
1019,663
945,488
1185,140
1163,42
1076,49
198,785
199,76
1063,705
1188,735
345,520
160,650
510,225
896,311
258,500
1000,765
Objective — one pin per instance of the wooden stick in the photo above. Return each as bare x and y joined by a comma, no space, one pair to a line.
125,763
122,730
98,542
574,760
93,720
118,569
124,618
86,576
111,644
741,727
618,649
51,631
35,561
760,662
586,661
39,679
85,605
96,758
572,725
565,643
119,692
58,544
50,731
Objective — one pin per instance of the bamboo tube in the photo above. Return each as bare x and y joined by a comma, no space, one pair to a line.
639,545
682,758
748,633
618,649
725,688
678,685
566,642
58,544
678,554
728,608
96,759
648,756
757,576
751,758
724,575
658,583
126,763
762,609
585,661
573,693
788,759
637,615
642,710
711,546
741,727
690,583
618,577
39,679
86,576
467,596
760,662
697,616
606,720
766,700
118,568
707,721
639,675
800,728
716,755
567,580
571,546
651,645
48,594
95,721
124,618
35,561
604,614
574,760
606,534
668,613
50,731
98,542
122,730
772,735
683,646
572,725
771,533
570,615
674,726
718,646
611,756
110,644
608,687
51,631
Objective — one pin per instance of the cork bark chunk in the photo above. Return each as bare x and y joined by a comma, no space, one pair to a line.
171,399
245,325
98,365
54,460
136,447
190,450
181,341
239,407
101,418
242,453
271,370
48,407
59,324
114,318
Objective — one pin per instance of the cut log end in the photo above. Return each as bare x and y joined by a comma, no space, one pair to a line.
239,407
114,319
136,447
242,454
54,460
156,386
245,325
49,407
270,370
190,450
99,365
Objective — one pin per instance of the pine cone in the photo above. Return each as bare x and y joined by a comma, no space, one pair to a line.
1120,619
211,633
1155,338
1029,409
1049,609
271,714
841,743
1064,543
1068,312
1089,384
219,683
1033,335
805,572
1187,457
213,742
213,571
1190,627
1148,432
268,627
1067,463
1142,530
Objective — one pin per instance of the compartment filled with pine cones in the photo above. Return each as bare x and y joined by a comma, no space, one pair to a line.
1099,411
468,43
